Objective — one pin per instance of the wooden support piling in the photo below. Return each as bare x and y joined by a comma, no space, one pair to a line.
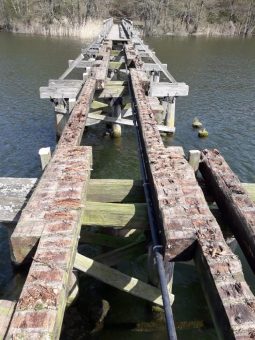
45,156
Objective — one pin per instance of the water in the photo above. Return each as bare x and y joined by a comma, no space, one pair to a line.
221,75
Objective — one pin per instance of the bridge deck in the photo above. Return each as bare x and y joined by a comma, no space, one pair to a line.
64,198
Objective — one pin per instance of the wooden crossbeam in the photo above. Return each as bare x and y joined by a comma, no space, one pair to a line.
122,121
130,216
119,280
148,67
168,89
81,64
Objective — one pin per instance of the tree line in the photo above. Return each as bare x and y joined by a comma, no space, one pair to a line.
156,16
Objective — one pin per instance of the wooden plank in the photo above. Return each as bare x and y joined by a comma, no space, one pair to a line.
100,73
168,89
122,121
14,193
81,64
119,280
167,168
150,67
116,191
58,92
232,199
25,235
16,187
229,297
55,212
113,92
116,65
65,83
130,216
109,241
73,131
6,312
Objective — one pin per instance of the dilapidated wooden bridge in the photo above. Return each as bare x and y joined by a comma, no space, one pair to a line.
124,83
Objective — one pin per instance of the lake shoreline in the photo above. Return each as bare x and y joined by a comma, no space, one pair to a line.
91,29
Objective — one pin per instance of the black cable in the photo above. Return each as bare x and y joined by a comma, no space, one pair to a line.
157,246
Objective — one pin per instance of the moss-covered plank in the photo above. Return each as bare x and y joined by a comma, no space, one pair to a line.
130,216
116,191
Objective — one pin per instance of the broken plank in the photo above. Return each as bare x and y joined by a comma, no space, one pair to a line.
130,216
119,280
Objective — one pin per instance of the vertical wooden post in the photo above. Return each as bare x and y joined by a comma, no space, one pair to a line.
170,113
71,103
116,128
156,77
61,120
194,159
45,156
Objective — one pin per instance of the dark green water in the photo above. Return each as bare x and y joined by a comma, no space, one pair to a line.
221,75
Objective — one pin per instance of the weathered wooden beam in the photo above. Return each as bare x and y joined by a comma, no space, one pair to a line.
116,191
81,64
232,199
25,235
113,92
14,193
73,131
119,280
130,216
229,297
58,92
108,119
150,67
65,83
55,212
100,73
167,168
168,89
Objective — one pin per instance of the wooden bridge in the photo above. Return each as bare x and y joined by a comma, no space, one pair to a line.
124,83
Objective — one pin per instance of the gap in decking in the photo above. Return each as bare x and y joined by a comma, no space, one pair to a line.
188,290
